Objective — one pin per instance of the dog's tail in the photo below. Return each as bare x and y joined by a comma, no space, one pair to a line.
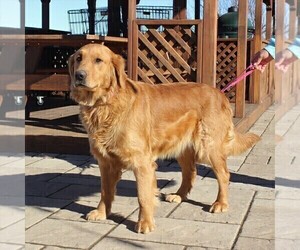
242,142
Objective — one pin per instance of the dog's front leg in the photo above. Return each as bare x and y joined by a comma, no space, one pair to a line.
146,188
110,175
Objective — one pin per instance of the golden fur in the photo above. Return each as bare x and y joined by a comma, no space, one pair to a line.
131,124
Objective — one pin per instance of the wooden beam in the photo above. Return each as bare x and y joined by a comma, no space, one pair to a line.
210,25
179,9
131,37
279,36
22,14
114,18
199,33
269,21
92,12
135,51
241,58
293,20
197,9
255,90
45,14
54,82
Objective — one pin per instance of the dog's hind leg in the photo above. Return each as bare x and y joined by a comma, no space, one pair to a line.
220,169
110,175
189,172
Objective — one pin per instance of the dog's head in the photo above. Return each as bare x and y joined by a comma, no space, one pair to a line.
95,72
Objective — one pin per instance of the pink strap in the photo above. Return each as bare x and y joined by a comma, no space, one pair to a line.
242,76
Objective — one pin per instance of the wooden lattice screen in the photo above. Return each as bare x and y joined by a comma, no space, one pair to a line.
226,64
168,51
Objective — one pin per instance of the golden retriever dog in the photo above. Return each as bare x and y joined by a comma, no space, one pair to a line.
131,124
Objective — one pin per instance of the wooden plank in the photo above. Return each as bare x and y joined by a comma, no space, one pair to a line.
135,48
160,57
255,80
231,54
279,36
245,123
131,37
229,39
55,82
180,11
37,40
231,74
167,22
226,69
10,57
269,22
45,14
152,67
199,57
15,82
170,49
282,109
181,42
241,57
210,41
22,15
32,58
197,10
144,77
293,20
113,18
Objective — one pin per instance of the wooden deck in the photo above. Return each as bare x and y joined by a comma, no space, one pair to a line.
58,129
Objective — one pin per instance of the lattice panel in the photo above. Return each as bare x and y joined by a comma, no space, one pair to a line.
167,53
226,65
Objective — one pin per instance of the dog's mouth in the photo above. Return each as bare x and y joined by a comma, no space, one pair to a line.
81,85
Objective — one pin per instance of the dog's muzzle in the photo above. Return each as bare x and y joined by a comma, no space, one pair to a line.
80,77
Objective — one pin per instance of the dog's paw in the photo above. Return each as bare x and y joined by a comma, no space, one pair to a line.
96,215
174,198
144,226
218,207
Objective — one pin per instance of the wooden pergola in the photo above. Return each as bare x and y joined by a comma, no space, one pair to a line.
198,57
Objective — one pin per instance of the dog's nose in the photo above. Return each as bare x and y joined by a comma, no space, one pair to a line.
80,75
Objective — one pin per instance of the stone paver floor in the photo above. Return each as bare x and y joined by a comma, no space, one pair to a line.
61,189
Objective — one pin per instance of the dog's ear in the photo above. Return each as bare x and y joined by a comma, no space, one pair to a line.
71,66
119,65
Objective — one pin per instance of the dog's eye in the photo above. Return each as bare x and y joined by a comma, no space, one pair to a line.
78,59
98,60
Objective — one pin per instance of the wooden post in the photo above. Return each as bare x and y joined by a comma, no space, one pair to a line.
179,7
279,36
293,20
210,26
255,87
199,42
199,33
131,38
269,20
22,14
114,18
241,57
92,11
197,9
45,14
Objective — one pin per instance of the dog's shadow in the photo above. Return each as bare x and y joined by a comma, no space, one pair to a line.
42,190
